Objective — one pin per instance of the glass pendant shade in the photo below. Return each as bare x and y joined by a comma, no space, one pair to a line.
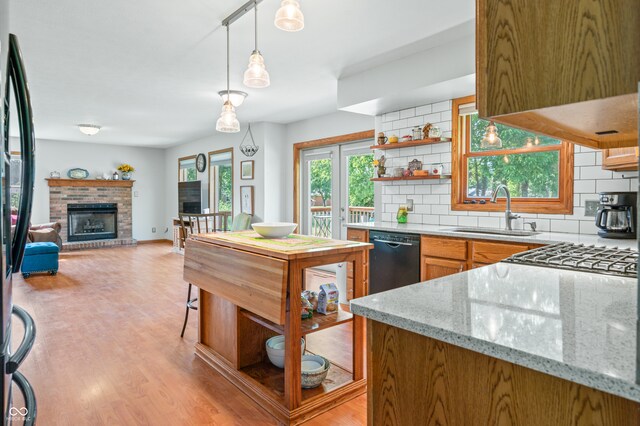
236,96
289,17
491,138
228,122
256,75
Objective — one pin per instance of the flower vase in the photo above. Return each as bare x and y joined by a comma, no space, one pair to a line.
126,175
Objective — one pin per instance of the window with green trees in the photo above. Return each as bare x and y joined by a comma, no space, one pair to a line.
538,170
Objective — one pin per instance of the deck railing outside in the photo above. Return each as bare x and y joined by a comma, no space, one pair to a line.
321,219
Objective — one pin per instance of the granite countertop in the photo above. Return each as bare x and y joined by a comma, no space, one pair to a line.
541,238
578,326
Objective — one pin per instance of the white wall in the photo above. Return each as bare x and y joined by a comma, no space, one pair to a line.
432,198
335,124
268,170
148,197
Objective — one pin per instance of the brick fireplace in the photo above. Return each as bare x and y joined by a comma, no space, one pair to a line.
68,196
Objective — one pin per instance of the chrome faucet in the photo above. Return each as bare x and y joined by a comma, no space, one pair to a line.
508,215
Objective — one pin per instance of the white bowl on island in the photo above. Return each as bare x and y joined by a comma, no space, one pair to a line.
274,229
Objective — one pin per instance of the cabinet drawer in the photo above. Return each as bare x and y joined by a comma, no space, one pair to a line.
486,252
447,248
359,235
433,268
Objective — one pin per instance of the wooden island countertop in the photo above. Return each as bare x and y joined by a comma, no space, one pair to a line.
245,282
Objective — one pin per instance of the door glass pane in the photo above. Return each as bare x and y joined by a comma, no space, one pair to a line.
221,182
360,188
320,181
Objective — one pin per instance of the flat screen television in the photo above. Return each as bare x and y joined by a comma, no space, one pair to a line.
189,197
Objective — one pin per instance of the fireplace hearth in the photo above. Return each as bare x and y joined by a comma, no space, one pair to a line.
87,222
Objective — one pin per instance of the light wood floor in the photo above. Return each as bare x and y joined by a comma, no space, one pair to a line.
108,349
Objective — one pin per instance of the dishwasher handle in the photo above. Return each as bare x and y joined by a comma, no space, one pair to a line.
396,243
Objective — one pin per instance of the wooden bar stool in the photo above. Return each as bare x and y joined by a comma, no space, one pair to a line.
199,224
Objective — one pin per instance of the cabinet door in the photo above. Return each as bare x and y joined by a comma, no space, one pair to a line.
433,267
620,159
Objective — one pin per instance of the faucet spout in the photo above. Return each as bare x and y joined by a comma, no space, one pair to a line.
508,215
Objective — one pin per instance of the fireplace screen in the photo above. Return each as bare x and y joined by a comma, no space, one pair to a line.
92,221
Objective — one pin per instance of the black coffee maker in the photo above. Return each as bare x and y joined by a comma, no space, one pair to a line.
616,216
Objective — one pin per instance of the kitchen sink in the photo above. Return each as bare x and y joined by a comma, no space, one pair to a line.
515,232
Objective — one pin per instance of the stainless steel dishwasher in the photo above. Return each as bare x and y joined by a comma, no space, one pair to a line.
394,261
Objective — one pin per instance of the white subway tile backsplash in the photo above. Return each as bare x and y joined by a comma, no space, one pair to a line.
613,185
441,106
391,116
408,113
594,172
584,159
424,109
432,118
432,198
399,124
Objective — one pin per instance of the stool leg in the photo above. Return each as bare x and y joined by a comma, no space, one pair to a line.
189,307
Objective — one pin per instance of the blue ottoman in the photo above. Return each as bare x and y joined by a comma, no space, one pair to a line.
40,257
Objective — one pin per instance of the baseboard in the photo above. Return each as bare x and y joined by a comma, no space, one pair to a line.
158,241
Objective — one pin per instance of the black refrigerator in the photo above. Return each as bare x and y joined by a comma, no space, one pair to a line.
16,197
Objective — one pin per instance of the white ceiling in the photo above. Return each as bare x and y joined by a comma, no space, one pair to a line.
149,71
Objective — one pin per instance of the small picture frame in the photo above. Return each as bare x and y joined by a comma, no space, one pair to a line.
246,170
246,199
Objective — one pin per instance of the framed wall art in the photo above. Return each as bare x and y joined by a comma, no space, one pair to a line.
246,199
246,170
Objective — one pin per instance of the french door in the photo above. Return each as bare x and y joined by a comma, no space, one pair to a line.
336,188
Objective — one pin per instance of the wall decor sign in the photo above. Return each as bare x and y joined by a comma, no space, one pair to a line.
246,199
246,168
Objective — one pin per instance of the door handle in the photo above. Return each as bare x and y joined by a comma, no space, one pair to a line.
29,412
18,78
392,242
27,340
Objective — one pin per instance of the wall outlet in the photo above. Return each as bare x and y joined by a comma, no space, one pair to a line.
591,207
153,230
409,205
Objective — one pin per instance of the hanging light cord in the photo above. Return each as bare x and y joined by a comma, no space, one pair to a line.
256,23
228,91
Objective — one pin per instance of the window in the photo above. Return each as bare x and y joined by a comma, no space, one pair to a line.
221,180
15,185
538,170
187,169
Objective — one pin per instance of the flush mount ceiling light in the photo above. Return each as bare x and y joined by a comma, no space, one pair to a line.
236,96
491,138
89,129
256,75
228,122
289,17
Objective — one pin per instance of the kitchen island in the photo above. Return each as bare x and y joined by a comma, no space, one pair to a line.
504,344
249,291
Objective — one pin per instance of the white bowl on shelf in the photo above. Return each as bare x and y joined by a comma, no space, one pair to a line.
275,350
274,229
312,364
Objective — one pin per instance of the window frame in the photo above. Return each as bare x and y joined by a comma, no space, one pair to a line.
459,155
213,203
180,160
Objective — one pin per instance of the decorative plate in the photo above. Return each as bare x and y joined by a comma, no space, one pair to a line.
78,174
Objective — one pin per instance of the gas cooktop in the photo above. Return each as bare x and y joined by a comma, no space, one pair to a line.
580,257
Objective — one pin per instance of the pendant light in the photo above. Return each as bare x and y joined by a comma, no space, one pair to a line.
491,138
289,17
228,122
256,75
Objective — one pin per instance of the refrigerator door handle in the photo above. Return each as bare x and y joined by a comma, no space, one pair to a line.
18,79
29,412
27,341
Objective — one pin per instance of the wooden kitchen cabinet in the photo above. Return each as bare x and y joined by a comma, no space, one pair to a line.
442,256
361,236
620,159
433,268
566,68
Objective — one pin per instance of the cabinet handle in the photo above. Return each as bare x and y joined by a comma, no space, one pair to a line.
461,268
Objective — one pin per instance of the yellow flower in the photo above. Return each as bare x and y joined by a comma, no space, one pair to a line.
376,162
126,168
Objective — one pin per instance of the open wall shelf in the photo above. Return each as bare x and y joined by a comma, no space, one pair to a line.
409,144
